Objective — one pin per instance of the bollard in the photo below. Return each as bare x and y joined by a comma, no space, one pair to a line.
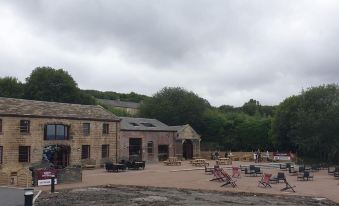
52,184
29,197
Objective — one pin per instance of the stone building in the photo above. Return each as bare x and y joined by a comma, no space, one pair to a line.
131,108
152,141
187,142
63,134
146,139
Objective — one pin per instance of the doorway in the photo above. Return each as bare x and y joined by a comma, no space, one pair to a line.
187,149
135,149
163,152
57,155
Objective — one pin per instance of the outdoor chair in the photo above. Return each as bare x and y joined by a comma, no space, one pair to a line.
235,172
265,180
336,174
249,172
292,171
287,186
306,175
280,176
217,175
257,171
301,169
331,170
227,179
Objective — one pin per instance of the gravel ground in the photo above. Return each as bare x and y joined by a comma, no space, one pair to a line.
129,195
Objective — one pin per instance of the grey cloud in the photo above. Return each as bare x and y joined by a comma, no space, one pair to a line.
226,51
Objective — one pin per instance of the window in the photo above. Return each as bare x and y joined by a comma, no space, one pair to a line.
105,128
24,153
150,147
0,125
146,124
1,153
85,152
105,151
24,126
56,132
86,129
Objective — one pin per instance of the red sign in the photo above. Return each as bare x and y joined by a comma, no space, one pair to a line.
44,174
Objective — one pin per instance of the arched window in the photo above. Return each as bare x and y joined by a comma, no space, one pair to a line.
56,132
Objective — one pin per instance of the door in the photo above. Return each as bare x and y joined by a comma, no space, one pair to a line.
187,149
135,149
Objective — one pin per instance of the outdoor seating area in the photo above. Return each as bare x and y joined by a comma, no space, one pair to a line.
223,178
124,165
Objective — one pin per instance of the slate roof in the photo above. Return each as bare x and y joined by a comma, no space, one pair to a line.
118,103
178,128
140,124
31,108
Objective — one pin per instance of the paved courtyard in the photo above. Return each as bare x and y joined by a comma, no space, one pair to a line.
186,176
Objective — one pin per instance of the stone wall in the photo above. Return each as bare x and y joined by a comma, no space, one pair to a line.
11,139
158,138
70,175
188,133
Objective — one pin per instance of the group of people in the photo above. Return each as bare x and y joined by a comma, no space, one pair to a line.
215,155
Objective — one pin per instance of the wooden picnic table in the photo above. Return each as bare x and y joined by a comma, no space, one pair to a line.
171,161
199,162
224,161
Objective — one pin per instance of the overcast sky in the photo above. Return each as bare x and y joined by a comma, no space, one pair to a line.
225,51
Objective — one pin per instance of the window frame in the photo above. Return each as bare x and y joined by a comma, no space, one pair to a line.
105,128
1,154
106,146
0,126
86,131
88,156
25,129
66,132
20,154
150,149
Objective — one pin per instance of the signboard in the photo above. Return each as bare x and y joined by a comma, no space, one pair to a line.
44,176
46,182
282,156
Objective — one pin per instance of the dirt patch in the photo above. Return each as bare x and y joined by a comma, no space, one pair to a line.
129,195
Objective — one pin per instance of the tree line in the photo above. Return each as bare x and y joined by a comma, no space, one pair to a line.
306,124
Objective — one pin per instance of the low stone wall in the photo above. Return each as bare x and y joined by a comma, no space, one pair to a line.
15,177
207,154
70,175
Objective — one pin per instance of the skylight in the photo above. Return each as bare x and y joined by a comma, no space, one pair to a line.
133,124
146,124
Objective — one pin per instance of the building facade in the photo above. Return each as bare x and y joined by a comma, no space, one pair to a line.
62,134
146,139
187,142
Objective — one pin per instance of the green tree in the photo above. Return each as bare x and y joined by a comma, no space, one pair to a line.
284,124
175,106
308,123
11,87
252,107
48,84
